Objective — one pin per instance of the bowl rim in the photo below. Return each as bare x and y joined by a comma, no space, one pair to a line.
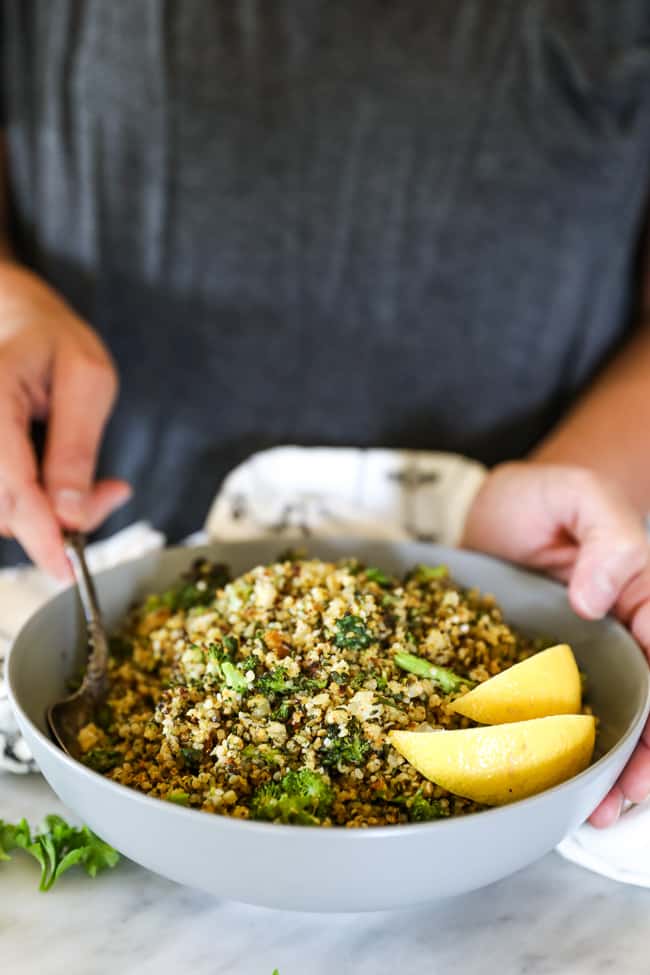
271,829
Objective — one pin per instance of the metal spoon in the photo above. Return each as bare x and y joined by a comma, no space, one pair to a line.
68,716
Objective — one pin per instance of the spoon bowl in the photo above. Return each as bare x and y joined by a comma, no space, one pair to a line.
67,717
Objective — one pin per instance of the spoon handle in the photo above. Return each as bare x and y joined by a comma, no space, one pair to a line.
95,678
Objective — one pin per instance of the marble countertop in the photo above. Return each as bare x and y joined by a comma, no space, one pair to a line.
551,918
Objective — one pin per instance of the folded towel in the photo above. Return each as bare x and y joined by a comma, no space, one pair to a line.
291,491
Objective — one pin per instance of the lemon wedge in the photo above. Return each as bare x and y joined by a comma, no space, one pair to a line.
503,763
544,684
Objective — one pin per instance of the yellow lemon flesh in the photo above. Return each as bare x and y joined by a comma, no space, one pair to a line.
503,763
546,683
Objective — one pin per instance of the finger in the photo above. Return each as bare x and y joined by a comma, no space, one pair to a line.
34,525
640,627
635,779
84,386
635,594
633,608
104,498
633,784
25,512
609,809
613,548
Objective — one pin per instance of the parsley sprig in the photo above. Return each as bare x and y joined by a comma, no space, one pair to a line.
57,847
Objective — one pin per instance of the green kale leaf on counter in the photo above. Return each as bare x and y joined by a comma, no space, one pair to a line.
57,847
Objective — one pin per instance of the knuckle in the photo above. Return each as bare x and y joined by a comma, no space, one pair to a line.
586,481
96,371
636,553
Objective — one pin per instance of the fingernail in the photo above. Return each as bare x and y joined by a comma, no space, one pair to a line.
69,504
587,606
127,494
603,583
599,598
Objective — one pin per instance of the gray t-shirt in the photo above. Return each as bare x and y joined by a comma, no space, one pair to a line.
320,221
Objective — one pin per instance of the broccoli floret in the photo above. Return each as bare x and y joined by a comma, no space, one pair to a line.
351,633
422,810
311,788
352,749
232,674
303,798
265,800
262,755
234,677
274,682
277,681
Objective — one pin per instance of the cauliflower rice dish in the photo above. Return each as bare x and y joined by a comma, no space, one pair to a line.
270,696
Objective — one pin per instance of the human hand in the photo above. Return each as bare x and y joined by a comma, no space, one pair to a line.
579,529
53,367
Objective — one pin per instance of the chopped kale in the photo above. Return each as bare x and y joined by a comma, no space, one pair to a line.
192,758
282,712
102,759
376,575
352,634
196,588
351,749
119,647
231,644
360,679
104,716
340,678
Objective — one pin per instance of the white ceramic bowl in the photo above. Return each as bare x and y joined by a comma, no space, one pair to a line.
334,869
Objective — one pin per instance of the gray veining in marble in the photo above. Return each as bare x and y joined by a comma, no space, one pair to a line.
550,919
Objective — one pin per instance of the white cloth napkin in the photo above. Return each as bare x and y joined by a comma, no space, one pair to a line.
287,491
621,852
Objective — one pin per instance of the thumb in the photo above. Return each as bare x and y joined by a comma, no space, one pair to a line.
612,548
